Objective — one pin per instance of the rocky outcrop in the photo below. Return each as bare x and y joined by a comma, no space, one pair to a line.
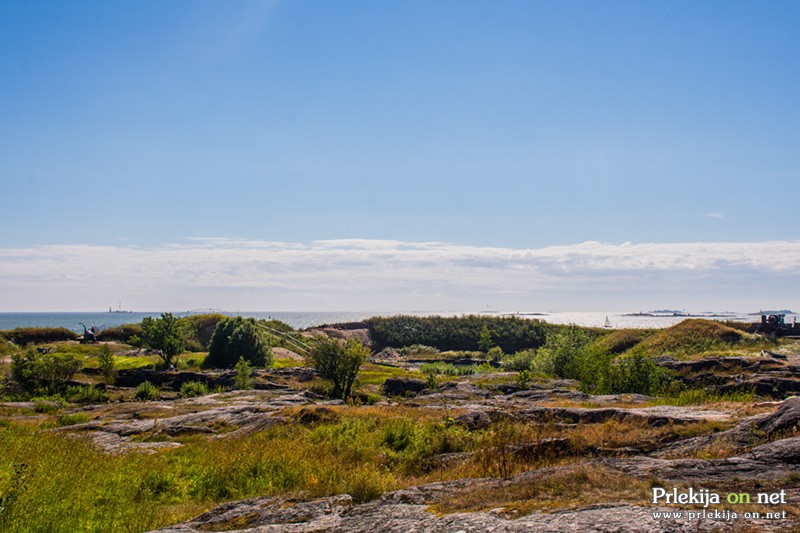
408,509
171,380
783,422
338,514
653,416
233,413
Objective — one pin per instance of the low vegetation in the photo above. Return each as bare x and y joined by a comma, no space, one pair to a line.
458,333
25,336
370,445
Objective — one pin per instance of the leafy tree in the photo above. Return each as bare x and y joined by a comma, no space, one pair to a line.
163,335
339,363
237,338
485,340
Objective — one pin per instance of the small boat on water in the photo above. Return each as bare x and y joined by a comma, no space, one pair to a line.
607,323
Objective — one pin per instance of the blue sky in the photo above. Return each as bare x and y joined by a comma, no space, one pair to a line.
517,127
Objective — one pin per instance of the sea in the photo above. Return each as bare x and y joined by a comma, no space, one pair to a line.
298,320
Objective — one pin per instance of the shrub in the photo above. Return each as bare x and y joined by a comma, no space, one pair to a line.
242,380
523,378
636,373
84,394
339,363
418,349
105,361
136,341
23,336
456,333
439,367
147,391
495,353
70,420
192,389
559,355
519,361
124,333
43,373
163,335
237,337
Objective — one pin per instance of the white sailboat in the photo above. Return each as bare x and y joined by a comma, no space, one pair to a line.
607,323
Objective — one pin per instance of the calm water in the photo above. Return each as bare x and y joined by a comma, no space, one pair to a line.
307,319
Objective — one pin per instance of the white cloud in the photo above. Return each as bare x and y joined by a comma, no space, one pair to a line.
385,274
715,214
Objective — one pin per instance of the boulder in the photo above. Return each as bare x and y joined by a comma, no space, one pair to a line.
403,386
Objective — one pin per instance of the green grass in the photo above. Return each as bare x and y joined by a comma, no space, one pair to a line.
50,481
69,420
697,337
372,374
700,397
286,363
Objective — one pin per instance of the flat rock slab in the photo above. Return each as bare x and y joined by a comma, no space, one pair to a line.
654,416
338,514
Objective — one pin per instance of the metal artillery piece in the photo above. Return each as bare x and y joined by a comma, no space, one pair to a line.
89,334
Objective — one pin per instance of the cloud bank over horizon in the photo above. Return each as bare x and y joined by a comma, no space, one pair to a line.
393,275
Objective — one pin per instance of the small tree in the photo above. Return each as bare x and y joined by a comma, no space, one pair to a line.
163,335
339,363
242,380
105,361
485,340
238,337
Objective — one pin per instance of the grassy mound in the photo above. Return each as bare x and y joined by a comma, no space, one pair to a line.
23,336
622,340
692,336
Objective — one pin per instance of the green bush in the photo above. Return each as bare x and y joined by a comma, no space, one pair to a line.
124,333
559,356
339,363
147,391
43,373
495,354
238,337
105,362
192,389
439,367
84,394
519,361
242,380
70,420
636,373
418,349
